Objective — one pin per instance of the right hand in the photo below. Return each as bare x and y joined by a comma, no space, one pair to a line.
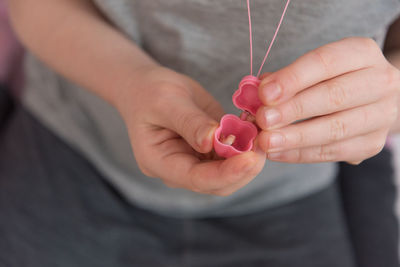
171,122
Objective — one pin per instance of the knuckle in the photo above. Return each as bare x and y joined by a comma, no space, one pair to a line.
338,130
194,186
297,108
291,80
327,153
146,171
141,155
376,147
168,88
161,102
298,155
392,78
300,138
337,94
368,43
323,57
186,123
171,185
164,93
294,156
366,46
373,150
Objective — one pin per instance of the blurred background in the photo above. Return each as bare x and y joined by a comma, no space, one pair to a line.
11,53
395,143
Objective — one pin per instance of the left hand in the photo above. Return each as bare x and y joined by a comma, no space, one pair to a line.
346,94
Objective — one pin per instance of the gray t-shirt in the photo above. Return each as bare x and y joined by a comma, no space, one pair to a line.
207,40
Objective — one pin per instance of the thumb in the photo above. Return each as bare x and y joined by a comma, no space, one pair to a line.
193,124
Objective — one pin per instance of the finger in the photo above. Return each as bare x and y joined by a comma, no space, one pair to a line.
321,64
206,102
184,117
204,177
236,186
331,128
229,190
211,107
343,92
355,162
351,150
152,146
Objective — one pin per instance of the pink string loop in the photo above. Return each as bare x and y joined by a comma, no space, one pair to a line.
273,39
251,38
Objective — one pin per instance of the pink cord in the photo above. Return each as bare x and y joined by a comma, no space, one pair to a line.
251,38
273,39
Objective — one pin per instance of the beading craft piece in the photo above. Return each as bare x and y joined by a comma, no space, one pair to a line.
236,135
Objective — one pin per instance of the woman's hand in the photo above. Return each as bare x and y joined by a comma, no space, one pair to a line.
345,96
171,121
170,118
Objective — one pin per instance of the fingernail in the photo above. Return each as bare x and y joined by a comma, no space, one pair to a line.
272,91
272,117
204,135
276,140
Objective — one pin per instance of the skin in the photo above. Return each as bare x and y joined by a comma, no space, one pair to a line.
171,119
345,93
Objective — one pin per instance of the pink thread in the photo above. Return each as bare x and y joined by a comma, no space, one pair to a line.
273,39
245,98
251,38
